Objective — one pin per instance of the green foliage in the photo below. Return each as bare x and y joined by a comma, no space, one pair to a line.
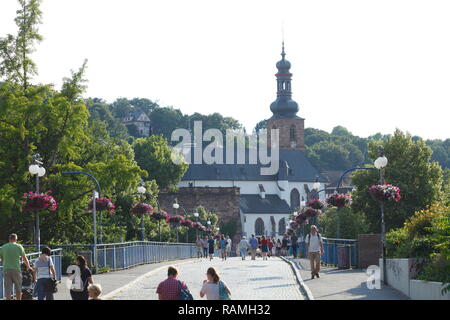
409,168
154,155
351,223
425,235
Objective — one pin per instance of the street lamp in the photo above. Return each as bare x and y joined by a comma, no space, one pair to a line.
380,163
39,171
141,190
176,206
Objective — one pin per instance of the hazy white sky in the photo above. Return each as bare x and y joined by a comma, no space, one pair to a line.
370,66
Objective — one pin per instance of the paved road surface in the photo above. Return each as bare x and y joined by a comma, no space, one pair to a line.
336,284
252,280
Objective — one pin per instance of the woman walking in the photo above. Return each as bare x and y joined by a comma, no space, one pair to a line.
214,288
264,247
86,280
44,272
270,244
243,247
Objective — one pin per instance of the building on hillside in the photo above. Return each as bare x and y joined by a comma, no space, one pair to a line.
140,120
259,204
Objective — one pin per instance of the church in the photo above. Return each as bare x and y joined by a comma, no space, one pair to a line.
259,204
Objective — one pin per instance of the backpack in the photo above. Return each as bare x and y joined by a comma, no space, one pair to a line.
184,294
223,292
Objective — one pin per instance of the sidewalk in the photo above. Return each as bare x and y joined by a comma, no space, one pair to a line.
343,284
113,280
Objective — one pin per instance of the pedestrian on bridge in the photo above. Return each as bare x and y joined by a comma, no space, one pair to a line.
228,249
211,248
199,245
243,247
314,249
253,246
223,247
205,246
10,255
264,247
213,287
170,288
86,279
44,272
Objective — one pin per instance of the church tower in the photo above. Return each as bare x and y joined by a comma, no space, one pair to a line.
284,109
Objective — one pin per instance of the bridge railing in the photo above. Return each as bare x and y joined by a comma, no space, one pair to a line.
122,255
56,256
331,246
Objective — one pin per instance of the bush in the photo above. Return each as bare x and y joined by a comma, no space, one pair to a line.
415,239
351,223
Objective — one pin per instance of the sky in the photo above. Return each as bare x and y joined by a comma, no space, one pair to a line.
370,66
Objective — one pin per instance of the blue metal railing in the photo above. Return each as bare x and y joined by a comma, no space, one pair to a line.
32,257
330,246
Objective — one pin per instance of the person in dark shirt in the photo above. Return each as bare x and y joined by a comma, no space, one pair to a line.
211,248
86,280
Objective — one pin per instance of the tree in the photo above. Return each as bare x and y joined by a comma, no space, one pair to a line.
154,155
351,223
409,168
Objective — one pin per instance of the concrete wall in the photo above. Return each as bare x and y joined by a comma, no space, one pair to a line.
399,272
427,290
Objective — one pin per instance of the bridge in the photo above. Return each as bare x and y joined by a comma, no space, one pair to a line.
132,270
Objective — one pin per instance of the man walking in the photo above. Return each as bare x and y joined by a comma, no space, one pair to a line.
294,245
170,288
199,245
205,246
253,246
284,245
243,247
10,254
314,249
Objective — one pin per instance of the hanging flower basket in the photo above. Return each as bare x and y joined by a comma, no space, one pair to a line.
142,208
301,218
197,226
339,200
175,221
311,213
37,202
217,236
385,192
294,225
208,230
159,215
102,204
315,204
187,223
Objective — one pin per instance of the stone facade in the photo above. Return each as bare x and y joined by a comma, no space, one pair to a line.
222,201
284,125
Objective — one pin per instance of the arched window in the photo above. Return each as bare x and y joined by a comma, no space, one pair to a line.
292,134
282,227
295,199
259,227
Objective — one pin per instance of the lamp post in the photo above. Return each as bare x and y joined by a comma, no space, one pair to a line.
141,190
380,163
36,169
196,230
95,195
176,206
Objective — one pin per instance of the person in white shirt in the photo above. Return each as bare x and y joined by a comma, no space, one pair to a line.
228,247
314,249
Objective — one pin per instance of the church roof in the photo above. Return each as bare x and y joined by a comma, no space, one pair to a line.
299,169
272,203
